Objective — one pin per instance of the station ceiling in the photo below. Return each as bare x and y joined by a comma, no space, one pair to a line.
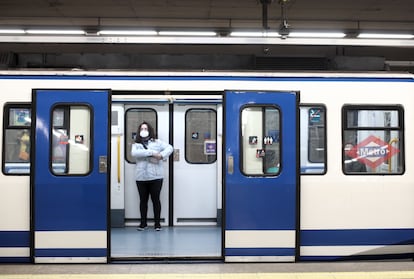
319,14
350,16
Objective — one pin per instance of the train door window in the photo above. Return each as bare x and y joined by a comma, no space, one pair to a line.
260,140
200,136
373,140
16,138
312,139
134,117
71,140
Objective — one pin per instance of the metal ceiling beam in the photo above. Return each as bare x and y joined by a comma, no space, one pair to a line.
204,40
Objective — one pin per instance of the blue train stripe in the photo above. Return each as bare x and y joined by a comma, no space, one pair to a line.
71,252
356,237
14,238
358,257
15,260
207,78
259,251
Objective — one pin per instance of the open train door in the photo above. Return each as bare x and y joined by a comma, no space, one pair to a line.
261,176
70,179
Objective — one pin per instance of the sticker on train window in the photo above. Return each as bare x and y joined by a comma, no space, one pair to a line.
260,128
19,117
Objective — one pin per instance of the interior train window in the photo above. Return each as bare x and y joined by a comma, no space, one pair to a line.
200,136
71,140
373,141
312,139
260,139
134,117
16,138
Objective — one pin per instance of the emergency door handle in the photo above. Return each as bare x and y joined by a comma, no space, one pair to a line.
103,164
176,155
230,164
119,159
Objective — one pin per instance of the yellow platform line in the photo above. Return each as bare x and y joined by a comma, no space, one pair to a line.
304,275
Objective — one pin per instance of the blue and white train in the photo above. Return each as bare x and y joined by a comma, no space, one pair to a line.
286,166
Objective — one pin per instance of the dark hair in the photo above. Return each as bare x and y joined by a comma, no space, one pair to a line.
138,138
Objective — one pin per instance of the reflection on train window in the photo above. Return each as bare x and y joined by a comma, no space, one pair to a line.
16,138
373,141
312,139
134,117
71,140
260,140
200,136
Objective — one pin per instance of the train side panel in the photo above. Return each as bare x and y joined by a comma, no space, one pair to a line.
14,191
358,216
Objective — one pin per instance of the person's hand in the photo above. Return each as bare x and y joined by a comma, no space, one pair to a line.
157,156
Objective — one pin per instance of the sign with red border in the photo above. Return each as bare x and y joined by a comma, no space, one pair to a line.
373,151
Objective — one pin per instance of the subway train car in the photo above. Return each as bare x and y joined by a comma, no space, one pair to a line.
267,167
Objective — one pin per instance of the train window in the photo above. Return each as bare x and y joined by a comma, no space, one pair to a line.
260,140
200,136
71,140
373,140
312,139
134,117
16,138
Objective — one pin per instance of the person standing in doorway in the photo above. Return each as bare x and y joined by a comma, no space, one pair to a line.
149,153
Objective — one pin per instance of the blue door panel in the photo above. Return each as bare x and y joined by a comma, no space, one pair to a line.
70,206
69,203
261,203
264,208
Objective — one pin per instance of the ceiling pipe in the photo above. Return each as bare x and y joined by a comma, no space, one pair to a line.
265,5
284,26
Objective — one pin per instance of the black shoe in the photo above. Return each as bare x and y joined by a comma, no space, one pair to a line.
158,228
142,227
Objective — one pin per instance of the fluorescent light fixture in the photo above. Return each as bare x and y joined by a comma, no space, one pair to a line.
188,33
54,32
12,31
258,34
384,36
316,34
128,32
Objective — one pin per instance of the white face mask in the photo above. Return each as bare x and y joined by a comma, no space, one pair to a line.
144,133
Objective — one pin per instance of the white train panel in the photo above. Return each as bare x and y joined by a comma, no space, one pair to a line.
340,215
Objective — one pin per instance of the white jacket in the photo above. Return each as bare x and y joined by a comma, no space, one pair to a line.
147,167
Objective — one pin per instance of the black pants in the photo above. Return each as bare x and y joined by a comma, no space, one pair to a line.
145,189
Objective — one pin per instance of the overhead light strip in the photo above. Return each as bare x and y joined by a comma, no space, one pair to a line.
188,33
195,33
55,32
384,36
12,31
316,35
154,33
16,35
128,32
82,39
264,34
255,34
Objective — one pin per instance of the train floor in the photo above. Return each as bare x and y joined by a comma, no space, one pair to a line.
171,242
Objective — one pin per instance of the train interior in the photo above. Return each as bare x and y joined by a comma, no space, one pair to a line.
191,198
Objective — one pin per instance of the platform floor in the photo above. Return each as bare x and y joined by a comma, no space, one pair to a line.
339,270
